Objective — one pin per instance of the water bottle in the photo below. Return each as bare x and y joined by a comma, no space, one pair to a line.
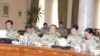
25,40
84,47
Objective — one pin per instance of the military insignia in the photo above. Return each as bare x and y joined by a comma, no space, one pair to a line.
97,41
83,37
14,30
35,32
47,33
70,35
79,35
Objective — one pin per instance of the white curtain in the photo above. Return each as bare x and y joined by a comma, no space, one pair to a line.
97,14
42,14
50,12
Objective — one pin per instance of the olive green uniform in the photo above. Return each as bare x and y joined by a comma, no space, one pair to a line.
62,30
51,38
31,37
94,41
36,29
74,39
44,30
13,33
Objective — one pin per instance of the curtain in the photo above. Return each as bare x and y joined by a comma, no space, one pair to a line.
75,6
34,3
62,11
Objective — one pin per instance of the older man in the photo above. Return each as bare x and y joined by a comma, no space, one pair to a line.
45,28
51,36
62,29
30,34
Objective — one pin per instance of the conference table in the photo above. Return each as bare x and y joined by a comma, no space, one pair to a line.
25,50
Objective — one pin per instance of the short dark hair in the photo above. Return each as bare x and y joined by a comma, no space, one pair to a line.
53,25
89,30
28,26
10,21
75,27
61,22
45,24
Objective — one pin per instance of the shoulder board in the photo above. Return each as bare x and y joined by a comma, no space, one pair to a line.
47,33
79,34
35,32
70,35
14,30
95,38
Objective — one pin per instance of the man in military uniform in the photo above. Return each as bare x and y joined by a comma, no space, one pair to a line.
62,29
94,41
11,32
45,28
30,34
90,39
51,36
35,27
74,38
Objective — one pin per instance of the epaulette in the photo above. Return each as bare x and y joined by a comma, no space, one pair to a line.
14,30
70,35
47,33
79,34
58,34
35,32
97,41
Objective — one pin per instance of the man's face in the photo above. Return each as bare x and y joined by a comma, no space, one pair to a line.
33,24
45,26
74,31
8,25
60,25
87,35
29,30
52,29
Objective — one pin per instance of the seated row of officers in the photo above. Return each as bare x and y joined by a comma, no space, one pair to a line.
53,34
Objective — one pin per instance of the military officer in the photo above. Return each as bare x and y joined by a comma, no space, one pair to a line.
74,38
45,28
62,29
30,34
90,39
51,36
35,27
11,32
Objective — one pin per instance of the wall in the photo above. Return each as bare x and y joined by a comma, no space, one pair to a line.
14,7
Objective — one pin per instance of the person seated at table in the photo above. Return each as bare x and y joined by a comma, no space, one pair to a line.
90,39
51,36
74,38
45,28
35,27
62,29
30,34
11,32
